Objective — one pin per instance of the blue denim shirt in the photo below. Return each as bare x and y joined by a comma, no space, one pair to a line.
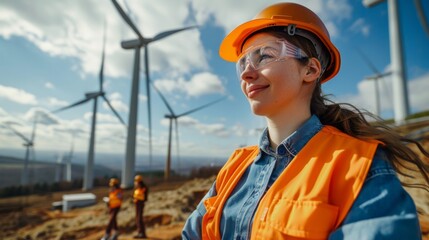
383,209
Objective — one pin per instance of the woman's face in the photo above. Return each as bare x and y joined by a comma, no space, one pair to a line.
274,87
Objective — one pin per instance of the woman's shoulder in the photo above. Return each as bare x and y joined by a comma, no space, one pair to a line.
380,165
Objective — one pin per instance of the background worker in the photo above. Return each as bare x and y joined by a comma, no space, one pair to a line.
114,204
140,197
320,170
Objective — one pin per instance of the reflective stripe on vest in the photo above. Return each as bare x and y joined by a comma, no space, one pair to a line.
312,195
115,198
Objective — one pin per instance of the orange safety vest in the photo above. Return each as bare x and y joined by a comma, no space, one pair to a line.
309,199
139,194
115,198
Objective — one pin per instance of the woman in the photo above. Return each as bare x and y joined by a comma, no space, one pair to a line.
321,170
139,198
114,204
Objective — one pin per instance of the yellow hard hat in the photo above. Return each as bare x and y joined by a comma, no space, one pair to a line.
138,178
283,14
113,182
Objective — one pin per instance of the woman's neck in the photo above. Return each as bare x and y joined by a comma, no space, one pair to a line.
281,127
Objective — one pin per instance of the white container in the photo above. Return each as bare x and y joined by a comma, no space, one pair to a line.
71,201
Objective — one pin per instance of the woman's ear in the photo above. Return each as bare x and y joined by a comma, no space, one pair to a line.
312,70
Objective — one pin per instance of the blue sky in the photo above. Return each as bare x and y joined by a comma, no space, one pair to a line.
50,55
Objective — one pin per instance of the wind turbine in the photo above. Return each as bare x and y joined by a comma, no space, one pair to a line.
173,117
377,76
88,174
59,168
400,89
29,145
137,44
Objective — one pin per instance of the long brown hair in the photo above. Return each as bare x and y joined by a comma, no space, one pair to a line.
353,121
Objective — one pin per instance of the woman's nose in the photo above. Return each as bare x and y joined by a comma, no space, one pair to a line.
249,73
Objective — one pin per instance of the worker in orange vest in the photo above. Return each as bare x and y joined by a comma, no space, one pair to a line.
320,170
140,197
114,203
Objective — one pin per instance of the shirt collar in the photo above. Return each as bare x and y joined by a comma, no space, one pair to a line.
295,142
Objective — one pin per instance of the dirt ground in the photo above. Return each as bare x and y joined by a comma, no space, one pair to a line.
165,213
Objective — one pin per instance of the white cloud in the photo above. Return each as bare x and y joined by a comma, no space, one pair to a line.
102,117
203,83
200,84
360,26
116,100
54,102
49,85
17,95
419,98
142,97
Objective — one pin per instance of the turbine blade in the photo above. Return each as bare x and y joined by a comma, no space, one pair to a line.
168,33
149,111
27,141
101,75
73,105
113,110
163,99
422,16
33,134
201,107
368,62
127,19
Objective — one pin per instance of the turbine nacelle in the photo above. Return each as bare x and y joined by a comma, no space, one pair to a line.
135,43
94,94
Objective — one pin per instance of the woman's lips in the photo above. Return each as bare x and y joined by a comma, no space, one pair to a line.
255,89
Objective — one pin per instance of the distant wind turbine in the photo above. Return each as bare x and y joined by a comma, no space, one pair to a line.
137,44
375,78
88,175
59,168
63,169
29,145
68,162
173,117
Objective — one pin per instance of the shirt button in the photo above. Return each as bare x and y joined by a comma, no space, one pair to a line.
281,150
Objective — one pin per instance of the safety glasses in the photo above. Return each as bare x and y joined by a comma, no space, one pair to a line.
272,51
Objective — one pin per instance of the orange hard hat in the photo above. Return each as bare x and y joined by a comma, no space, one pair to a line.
113,182
138,178
283,14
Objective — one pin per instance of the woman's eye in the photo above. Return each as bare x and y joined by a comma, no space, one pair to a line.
265,57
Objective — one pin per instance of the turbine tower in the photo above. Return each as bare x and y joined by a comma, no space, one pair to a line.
173,117
89,172
137,44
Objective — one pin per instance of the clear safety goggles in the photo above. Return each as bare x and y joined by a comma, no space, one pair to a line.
272,51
